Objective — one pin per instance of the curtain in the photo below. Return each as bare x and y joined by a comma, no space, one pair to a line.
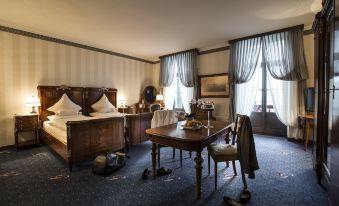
246,93
188,70
288,101
285,60
244,56
285,100
187,94
167,71
169,96
185,65
284,55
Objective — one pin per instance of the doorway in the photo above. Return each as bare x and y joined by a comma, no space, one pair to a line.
264,119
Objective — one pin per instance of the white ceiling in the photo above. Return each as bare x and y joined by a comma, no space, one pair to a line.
150,28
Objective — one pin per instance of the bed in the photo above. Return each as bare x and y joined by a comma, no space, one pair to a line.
83,137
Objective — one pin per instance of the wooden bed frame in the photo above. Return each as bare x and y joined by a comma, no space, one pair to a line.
85,139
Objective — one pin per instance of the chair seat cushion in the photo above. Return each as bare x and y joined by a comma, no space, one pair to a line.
222,149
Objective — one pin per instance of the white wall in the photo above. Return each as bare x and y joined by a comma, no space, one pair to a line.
26,63
216,63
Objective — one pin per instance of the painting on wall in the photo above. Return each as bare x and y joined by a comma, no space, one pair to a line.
214,85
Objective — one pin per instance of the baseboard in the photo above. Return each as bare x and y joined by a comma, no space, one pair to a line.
7,147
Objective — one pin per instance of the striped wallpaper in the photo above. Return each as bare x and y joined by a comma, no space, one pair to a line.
26,63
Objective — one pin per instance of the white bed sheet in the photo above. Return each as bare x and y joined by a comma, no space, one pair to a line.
60,122
57,133
106,114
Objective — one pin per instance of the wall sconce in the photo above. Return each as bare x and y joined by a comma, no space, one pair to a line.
33,102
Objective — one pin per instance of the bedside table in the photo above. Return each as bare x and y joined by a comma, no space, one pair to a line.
26,129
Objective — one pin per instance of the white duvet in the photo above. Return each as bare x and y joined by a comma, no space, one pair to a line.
60,121
106,114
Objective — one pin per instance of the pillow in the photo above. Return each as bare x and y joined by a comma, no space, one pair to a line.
103,105
67,112
64,104
51,118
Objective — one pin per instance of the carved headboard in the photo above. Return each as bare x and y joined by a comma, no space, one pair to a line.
93,94
49,95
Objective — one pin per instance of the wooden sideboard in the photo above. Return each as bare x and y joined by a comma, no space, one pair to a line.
136,127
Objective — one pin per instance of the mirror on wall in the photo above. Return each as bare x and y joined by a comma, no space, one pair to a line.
150,94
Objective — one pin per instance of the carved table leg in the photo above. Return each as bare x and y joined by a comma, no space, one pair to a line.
198,169
154,158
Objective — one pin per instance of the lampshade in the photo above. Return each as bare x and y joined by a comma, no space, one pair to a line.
33,102
160,97
121,100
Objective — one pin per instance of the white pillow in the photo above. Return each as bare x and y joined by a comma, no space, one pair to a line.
103,105
67,112
64,104
51,118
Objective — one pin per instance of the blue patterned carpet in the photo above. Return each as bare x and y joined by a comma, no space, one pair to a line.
36,176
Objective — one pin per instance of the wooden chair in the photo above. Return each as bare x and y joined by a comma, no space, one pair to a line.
154,107
221,152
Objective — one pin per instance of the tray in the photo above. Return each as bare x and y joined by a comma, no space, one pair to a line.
191,128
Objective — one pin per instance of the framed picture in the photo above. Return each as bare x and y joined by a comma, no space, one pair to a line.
214,85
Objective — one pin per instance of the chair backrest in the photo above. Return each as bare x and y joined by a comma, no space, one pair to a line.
154,107
239,121
164,117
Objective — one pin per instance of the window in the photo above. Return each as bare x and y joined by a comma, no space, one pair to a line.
263,98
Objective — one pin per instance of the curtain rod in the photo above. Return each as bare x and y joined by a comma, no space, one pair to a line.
195,49
301,26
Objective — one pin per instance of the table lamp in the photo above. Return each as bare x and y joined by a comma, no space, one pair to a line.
160,98
33,102
122,100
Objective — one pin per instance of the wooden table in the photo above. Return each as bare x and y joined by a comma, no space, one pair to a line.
309,118
174,136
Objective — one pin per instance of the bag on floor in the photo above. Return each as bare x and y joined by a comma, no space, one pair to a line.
109,163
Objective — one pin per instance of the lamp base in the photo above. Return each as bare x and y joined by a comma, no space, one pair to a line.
33,110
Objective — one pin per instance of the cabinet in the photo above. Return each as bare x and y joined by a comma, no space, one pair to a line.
26,129
326,157
136,127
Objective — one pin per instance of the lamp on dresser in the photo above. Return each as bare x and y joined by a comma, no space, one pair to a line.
160,100
33,102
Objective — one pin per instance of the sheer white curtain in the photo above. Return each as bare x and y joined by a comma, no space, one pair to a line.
186,97
285,101
245,94
169,95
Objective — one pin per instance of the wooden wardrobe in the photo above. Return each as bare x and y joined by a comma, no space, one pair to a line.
326,76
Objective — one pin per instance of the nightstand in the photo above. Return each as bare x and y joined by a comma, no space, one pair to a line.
26,129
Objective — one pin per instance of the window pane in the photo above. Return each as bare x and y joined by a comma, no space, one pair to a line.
258,99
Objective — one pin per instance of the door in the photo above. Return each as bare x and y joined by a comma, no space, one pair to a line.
264,119
333,152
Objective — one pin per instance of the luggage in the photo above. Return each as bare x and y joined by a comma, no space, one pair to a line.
109,163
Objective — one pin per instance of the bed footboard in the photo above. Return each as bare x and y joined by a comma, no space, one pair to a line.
86,139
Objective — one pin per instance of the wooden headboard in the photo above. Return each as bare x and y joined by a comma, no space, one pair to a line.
93,94
82,96
49,95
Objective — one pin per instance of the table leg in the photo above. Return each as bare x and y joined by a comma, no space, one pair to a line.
154,158
198,169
